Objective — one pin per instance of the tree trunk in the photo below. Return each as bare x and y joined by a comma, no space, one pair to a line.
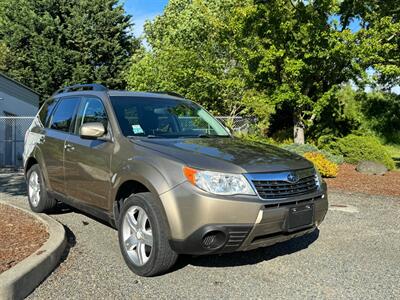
298,130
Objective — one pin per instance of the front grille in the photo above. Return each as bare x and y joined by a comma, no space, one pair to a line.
276,189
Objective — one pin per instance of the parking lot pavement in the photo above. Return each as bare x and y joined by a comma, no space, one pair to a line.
355,254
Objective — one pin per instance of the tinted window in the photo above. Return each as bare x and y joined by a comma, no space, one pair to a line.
164,118
92,111
64,114
46,111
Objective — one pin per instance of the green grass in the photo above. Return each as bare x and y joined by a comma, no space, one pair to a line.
394,150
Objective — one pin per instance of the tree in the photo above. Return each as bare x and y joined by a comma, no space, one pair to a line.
101,46
252,56
378,39
197,48
266,57
31,32
4,56
302,60
59,42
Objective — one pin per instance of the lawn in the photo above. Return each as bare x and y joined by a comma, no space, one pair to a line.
394,150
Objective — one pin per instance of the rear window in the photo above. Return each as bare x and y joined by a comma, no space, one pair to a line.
64,114
46,110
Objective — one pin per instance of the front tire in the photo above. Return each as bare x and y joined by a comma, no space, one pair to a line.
37,193
143,236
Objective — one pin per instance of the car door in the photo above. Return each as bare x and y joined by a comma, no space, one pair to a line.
87,161
53,140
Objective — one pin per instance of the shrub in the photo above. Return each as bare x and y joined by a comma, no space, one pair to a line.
357,148
324,166
302,149
337,159
323,140
256,138
283,136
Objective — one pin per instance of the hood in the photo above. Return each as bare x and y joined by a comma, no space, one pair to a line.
229,155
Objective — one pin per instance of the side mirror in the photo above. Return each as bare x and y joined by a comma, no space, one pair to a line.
92,130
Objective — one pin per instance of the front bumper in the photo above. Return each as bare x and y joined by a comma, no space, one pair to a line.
201,223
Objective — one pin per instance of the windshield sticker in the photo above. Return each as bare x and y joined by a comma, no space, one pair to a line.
137,129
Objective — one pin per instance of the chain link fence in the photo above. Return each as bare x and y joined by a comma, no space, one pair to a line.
238,124
12,135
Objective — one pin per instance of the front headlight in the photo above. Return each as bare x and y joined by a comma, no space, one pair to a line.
219,183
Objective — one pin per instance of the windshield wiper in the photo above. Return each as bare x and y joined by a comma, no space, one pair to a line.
206,135
154,136
149,136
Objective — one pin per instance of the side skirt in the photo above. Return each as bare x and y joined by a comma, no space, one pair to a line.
98,213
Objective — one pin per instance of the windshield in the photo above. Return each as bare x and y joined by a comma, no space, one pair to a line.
166,118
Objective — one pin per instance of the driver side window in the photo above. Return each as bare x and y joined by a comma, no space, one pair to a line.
92,111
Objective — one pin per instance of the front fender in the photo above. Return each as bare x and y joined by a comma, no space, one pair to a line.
151,172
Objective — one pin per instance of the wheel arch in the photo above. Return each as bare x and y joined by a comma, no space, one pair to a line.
36,157
131,186
29,163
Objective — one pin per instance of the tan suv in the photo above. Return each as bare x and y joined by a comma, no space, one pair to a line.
167,175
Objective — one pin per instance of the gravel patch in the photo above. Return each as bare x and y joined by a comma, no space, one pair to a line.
355,254
349,179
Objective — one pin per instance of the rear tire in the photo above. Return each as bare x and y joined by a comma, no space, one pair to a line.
143,236
37,192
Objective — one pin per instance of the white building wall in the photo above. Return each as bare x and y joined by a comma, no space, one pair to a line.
16,106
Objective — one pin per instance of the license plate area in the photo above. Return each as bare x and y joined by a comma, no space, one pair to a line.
300,217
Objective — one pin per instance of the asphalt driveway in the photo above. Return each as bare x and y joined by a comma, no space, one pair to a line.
355,254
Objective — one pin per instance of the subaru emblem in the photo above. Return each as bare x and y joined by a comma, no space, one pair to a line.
292,177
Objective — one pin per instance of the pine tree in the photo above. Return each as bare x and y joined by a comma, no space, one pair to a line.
98,35
58,42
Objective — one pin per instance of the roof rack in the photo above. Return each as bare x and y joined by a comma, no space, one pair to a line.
168,93
82,87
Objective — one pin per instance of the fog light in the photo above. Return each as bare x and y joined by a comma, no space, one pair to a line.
213,239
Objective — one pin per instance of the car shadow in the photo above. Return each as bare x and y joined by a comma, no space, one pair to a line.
63,208
249,257
71,242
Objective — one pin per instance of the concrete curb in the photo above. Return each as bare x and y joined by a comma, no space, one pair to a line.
19,281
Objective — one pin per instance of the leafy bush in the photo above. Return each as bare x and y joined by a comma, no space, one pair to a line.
283,136
357,148
324,166
256,138
323,140
380,110
337,159
302,149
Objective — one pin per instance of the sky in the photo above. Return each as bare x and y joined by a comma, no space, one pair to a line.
143,10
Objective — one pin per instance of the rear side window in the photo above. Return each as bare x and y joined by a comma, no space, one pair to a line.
46,110
64,114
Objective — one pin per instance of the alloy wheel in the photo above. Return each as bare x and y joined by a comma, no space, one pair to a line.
34,189
137,235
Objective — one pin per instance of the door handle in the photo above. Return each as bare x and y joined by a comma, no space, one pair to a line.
69,147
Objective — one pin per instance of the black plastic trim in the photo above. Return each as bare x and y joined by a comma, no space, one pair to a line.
235,236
